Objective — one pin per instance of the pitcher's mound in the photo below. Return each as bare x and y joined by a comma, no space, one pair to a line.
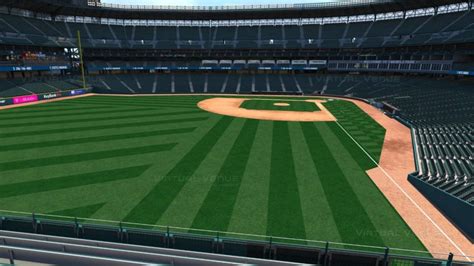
231,107
281,104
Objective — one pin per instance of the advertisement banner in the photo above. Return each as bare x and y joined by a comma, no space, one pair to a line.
461,73
76,92
5,102
25,99
51,95
41,97
196,68
32,68
317,62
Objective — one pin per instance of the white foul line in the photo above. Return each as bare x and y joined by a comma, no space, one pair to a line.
405,193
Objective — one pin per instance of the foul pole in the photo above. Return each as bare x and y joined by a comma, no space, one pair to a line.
79,45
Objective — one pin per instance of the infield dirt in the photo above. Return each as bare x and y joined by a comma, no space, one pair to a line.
231,107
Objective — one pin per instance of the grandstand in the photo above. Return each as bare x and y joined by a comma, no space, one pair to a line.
411,59
441,28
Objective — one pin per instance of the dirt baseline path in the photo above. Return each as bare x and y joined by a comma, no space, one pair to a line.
434,230
231,107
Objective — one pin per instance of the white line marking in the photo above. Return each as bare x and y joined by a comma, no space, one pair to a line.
405,193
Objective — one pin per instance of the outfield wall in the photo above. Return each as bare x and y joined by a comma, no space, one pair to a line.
32,98
458,211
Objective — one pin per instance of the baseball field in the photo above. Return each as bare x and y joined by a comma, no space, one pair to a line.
164,161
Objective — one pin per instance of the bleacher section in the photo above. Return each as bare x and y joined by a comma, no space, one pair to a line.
199,83
439,29
445,157
18,87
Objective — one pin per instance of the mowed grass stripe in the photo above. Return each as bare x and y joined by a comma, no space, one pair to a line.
285,217
100,127
301,106
319,222
356,152
155,203
72,115
52,110
182,211
137,104
177,100
82,212
51,119
107,118
82,157
253,193
140,101
150,99
349,214
216,211
391,226
362,127
70,181
26,146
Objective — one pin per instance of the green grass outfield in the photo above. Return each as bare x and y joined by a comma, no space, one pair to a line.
269,104
161,160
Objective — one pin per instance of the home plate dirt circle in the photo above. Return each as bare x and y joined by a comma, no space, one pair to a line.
231,107
281,104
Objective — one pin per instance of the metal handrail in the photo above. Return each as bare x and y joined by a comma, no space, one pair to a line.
327,5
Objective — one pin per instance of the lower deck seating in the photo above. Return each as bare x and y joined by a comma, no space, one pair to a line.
445,156
18,87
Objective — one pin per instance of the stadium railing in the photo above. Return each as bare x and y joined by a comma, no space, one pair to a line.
227,243
243,7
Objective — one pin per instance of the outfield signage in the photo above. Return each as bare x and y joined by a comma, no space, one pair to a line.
25,99
41,97
32,68
283,62
6,102
317,62
299,62
197,68
77,92
48,96
411,62
462,73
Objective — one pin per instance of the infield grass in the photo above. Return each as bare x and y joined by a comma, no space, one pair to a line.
279,105
161,160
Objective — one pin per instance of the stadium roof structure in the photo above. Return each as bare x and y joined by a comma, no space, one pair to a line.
287,11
